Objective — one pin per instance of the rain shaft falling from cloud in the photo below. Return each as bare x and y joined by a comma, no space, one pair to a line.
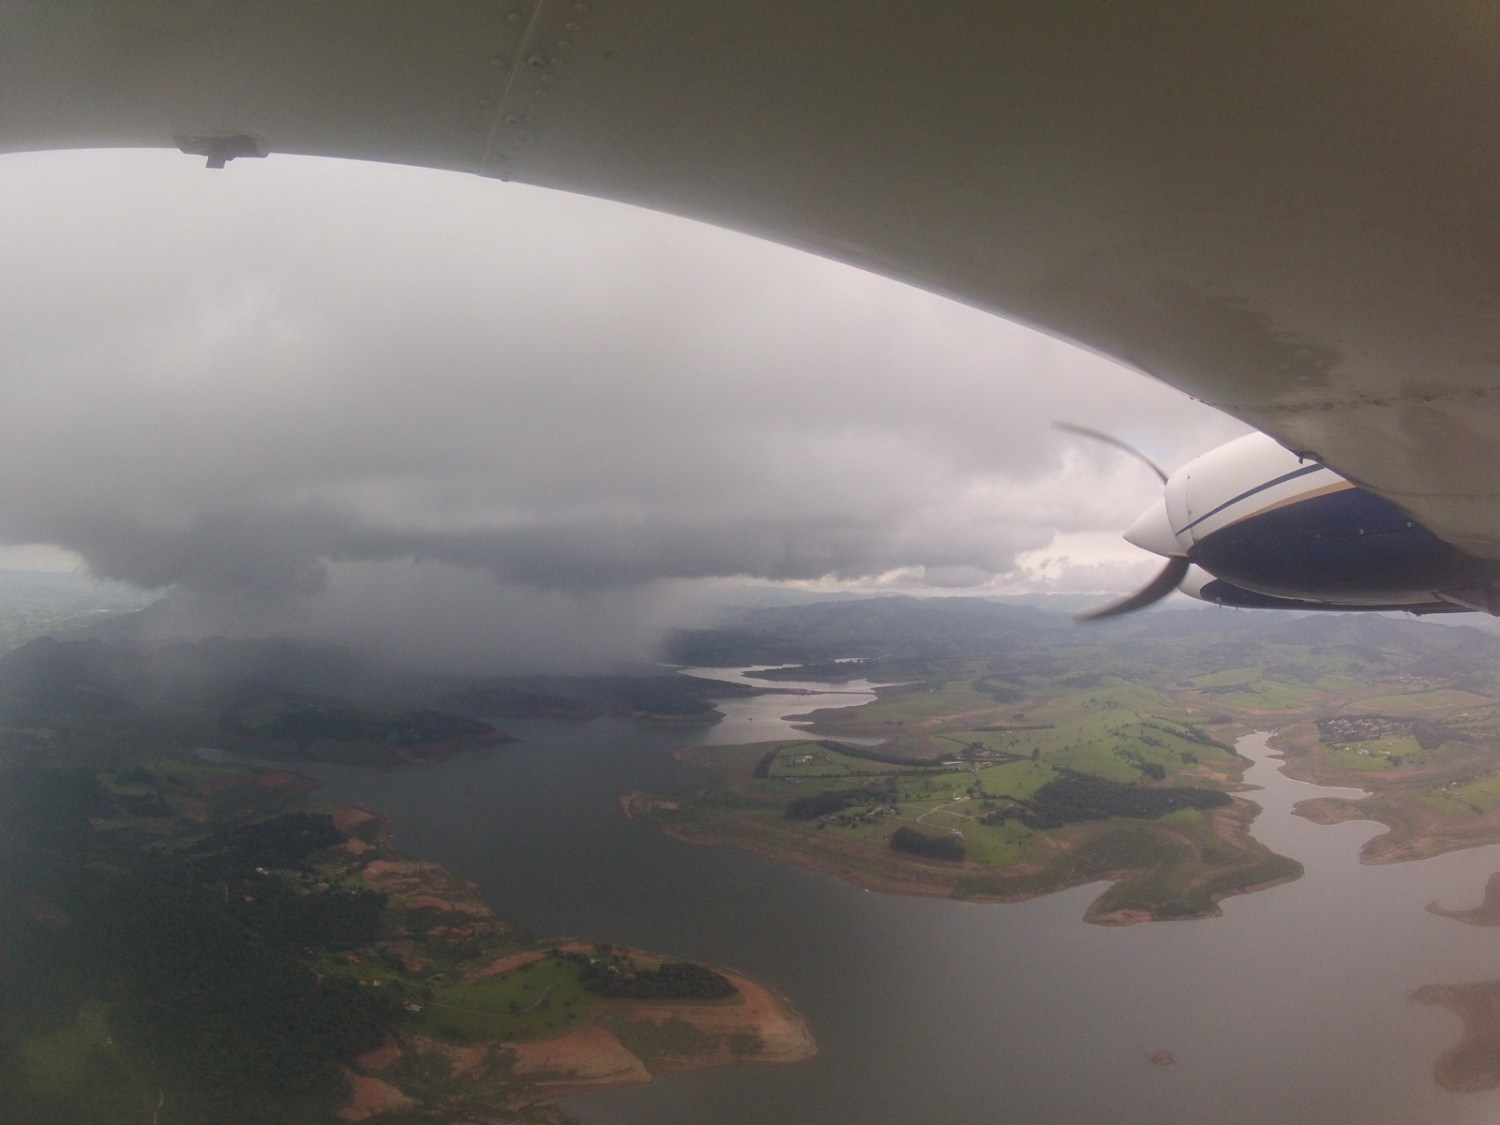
276,387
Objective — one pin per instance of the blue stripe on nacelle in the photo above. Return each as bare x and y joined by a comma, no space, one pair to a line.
1249,492
1347,546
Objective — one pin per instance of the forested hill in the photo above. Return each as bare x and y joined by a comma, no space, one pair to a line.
95,702
865,628
890,633
663,697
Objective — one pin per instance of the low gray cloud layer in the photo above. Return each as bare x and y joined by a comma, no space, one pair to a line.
244,384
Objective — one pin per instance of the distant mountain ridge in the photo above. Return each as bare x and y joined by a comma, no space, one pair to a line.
1167,642
92,701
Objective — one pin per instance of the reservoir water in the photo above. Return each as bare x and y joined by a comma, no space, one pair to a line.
1292,1007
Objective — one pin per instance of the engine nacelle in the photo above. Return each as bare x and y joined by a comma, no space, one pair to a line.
1277,530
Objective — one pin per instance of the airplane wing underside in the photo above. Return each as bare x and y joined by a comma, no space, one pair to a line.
1288,210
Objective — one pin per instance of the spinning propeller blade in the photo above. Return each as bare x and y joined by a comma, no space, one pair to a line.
1110,439
1170,576
1167,579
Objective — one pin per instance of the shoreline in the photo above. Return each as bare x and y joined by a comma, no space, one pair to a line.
935,880
757,1026
636,805
1474,1064
1414,828
570,1063
1411,832
1487,913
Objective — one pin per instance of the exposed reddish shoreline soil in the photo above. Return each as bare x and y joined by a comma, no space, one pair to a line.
594,1056
758,1027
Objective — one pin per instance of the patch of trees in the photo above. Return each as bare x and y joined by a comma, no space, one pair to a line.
1198,735
1431,734
281,841
241,1027
927,845
1083,681
1153,770
316,917
823,804
619,978
867,754
1293,672
435,726
999,690
836,800
1478,681
195,966
1075,797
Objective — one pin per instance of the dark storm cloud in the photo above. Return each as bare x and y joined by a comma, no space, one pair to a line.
237,383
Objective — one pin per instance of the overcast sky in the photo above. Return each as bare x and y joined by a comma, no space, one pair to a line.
389,403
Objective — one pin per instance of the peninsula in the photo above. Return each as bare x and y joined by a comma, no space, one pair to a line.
1069,756
986,791
345,980
1427,763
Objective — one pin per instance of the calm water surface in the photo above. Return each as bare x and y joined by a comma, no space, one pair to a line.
1292,1007
763,718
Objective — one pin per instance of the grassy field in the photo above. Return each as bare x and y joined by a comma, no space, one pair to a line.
978,784
984,744
537,999
1437,701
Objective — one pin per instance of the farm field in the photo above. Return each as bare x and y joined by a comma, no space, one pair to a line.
1064,782
998,778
